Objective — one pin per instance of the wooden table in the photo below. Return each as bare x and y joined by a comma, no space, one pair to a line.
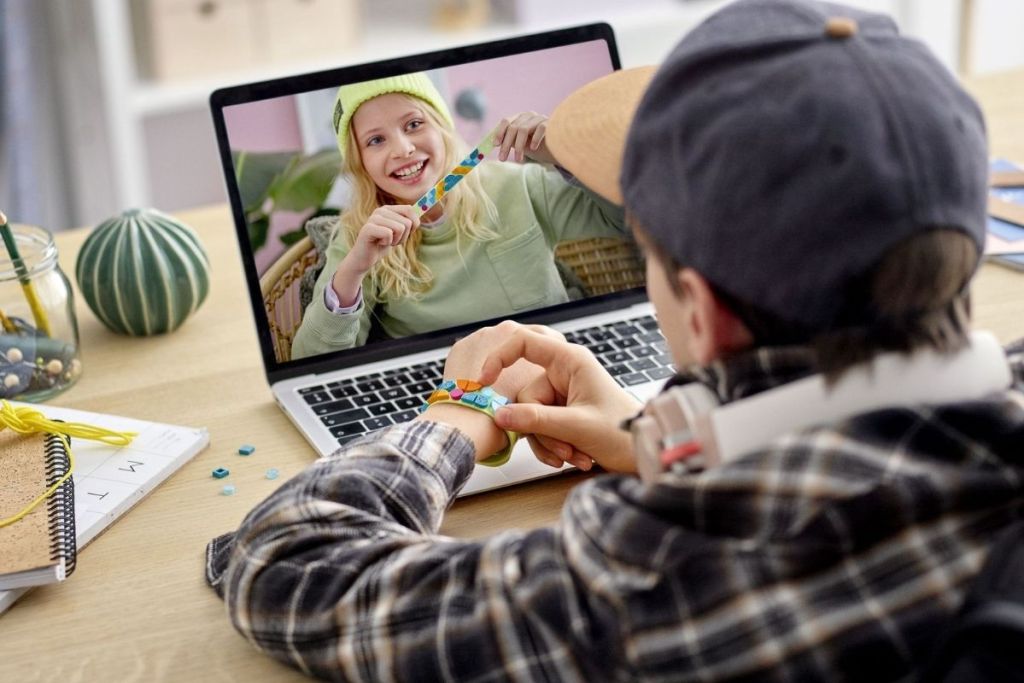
137,607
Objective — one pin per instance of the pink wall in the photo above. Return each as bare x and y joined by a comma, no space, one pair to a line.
265,126
536,81
528,82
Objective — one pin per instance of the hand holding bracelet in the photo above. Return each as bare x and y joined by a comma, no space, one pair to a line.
471,394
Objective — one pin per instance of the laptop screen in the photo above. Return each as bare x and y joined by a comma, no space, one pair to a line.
340,273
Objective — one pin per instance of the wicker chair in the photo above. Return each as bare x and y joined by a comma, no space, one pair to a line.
280,289
604,264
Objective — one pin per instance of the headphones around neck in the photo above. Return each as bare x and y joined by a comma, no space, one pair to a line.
687,423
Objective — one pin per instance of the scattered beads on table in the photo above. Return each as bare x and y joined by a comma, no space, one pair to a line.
246,449
272,473
220,473
228,490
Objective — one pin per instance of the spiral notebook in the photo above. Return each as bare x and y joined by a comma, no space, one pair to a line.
110,480
40,547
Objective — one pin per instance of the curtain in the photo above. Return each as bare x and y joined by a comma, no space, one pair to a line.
34,171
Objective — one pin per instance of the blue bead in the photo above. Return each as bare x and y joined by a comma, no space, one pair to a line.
448,384
228,490
499,400
246,449
469,397
272,473
220,473
482,401
451,180
487,391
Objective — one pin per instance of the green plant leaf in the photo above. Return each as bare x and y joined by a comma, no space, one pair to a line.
293,236
306,182
256,173
258,228
324,211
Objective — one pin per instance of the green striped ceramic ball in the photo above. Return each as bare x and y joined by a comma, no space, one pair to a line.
143,272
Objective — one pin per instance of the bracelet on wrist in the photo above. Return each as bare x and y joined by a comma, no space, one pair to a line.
471,394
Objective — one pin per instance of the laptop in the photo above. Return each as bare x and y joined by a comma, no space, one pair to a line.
281,165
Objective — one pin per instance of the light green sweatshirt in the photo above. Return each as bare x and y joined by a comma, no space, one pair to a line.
515,272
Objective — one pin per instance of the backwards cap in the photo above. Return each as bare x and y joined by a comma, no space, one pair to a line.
783,147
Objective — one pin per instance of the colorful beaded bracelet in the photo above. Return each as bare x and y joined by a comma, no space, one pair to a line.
470,394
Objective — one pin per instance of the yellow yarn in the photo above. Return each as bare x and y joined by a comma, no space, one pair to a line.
26,420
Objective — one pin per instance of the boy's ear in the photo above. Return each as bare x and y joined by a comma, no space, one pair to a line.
712,330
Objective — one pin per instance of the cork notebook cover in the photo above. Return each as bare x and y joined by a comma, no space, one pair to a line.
34,549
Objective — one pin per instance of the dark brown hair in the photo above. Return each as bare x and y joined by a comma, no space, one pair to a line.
915,297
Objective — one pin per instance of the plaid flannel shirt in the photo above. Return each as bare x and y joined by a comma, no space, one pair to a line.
834,553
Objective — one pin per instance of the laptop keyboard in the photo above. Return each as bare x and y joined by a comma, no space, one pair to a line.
632,351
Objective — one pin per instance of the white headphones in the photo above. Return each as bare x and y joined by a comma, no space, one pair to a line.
687,422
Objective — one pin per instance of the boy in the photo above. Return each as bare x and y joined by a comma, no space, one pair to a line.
810,191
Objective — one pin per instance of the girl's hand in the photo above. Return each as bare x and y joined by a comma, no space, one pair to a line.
523,136
388,226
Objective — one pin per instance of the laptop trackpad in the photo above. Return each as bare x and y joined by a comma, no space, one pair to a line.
645,392
522,466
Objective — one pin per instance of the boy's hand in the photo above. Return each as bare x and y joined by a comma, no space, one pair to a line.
575,402
463,362
469,353
523,136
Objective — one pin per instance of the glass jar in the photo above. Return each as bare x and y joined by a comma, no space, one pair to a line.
38,329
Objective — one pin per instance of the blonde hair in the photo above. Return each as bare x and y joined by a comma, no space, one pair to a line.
400,273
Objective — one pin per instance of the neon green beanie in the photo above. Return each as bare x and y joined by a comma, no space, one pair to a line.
351,97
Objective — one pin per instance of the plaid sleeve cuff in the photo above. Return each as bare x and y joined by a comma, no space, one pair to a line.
440,450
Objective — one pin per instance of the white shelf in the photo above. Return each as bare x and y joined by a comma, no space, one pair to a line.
384,42
154,97
134,104
136,107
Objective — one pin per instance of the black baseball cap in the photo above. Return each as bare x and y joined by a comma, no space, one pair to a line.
783,147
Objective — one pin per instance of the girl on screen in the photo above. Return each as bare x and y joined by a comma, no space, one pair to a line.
484,251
